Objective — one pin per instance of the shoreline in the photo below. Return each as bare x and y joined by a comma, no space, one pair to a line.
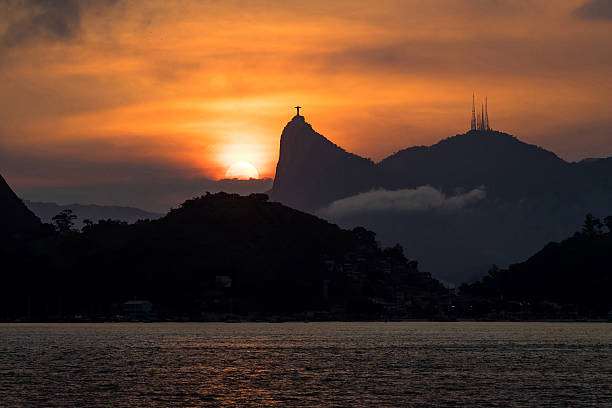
602,320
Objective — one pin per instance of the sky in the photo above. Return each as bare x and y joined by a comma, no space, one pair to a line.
107,94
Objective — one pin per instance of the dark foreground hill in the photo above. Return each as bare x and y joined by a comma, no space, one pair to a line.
498,199
570,278
217,254
15,217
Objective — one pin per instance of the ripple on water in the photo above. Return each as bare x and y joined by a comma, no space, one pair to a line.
316,364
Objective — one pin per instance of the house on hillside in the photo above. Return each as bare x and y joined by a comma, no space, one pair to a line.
137,308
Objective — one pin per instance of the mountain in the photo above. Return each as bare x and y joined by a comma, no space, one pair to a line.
507,167
46,211
311,165
270,259
15,217
525,196
312,171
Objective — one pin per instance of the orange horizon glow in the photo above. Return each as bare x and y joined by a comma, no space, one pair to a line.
191,90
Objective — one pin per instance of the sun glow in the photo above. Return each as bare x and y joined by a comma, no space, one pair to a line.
242,170
243,147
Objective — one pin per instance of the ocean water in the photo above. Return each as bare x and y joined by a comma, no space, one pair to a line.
306,364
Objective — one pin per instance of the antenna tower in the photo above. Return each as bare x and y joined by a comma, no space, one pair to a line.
473,124
486,115
480,118
482,124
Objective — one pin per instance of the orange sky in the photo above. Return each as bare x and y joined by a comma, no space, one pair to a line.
101,91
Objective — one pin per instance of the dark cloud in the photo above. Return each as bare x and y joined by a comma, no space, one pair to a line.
595,10
494,55
53,20
487,7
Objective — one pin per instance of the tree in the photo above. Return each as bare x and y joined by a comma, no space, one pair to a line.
494,271
592,225
64,221
608,222
87,225
396,253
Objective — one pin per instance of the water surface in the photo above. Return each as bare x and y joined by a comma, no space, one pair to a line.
306,364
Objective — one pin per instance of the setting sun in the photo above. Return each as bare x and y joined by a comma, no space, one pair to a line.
242,170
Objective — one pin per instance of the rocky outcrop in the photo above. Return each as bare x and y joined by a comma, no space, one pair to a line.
15,217
312,171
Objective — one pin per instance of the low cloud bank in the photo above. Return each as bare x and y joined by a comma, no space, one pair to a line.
420,199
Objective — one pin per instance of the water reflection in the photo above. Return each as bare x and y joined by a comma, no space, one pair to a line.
316,364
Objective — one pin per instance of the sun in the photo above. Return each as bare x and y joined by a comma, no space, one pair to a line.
242,170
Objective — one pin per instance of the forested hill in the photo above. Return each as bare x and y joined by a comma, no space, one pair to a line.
574,276
278,260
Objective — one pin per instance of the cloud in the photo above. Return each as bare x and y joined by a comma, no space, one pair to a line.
52,19
55,20
421,199
508,56
595,10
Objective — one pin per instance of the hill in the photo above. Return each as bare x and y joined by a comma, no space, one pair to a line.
563,279
219,253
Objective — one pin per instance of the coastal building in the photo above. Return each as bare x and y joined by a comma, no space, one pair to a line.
223,282
137,307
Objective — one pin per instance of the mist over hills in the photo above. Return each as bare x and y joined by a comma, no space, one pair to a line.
93,212
153,193
490,198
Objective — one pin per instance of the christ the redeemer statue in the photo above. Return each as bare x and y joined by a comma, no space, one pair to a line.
298,110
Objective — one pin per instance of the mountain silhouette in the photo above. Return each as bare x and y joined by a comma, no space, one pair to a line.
312,171
532,196
311,165
93,212
15,217
507,167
